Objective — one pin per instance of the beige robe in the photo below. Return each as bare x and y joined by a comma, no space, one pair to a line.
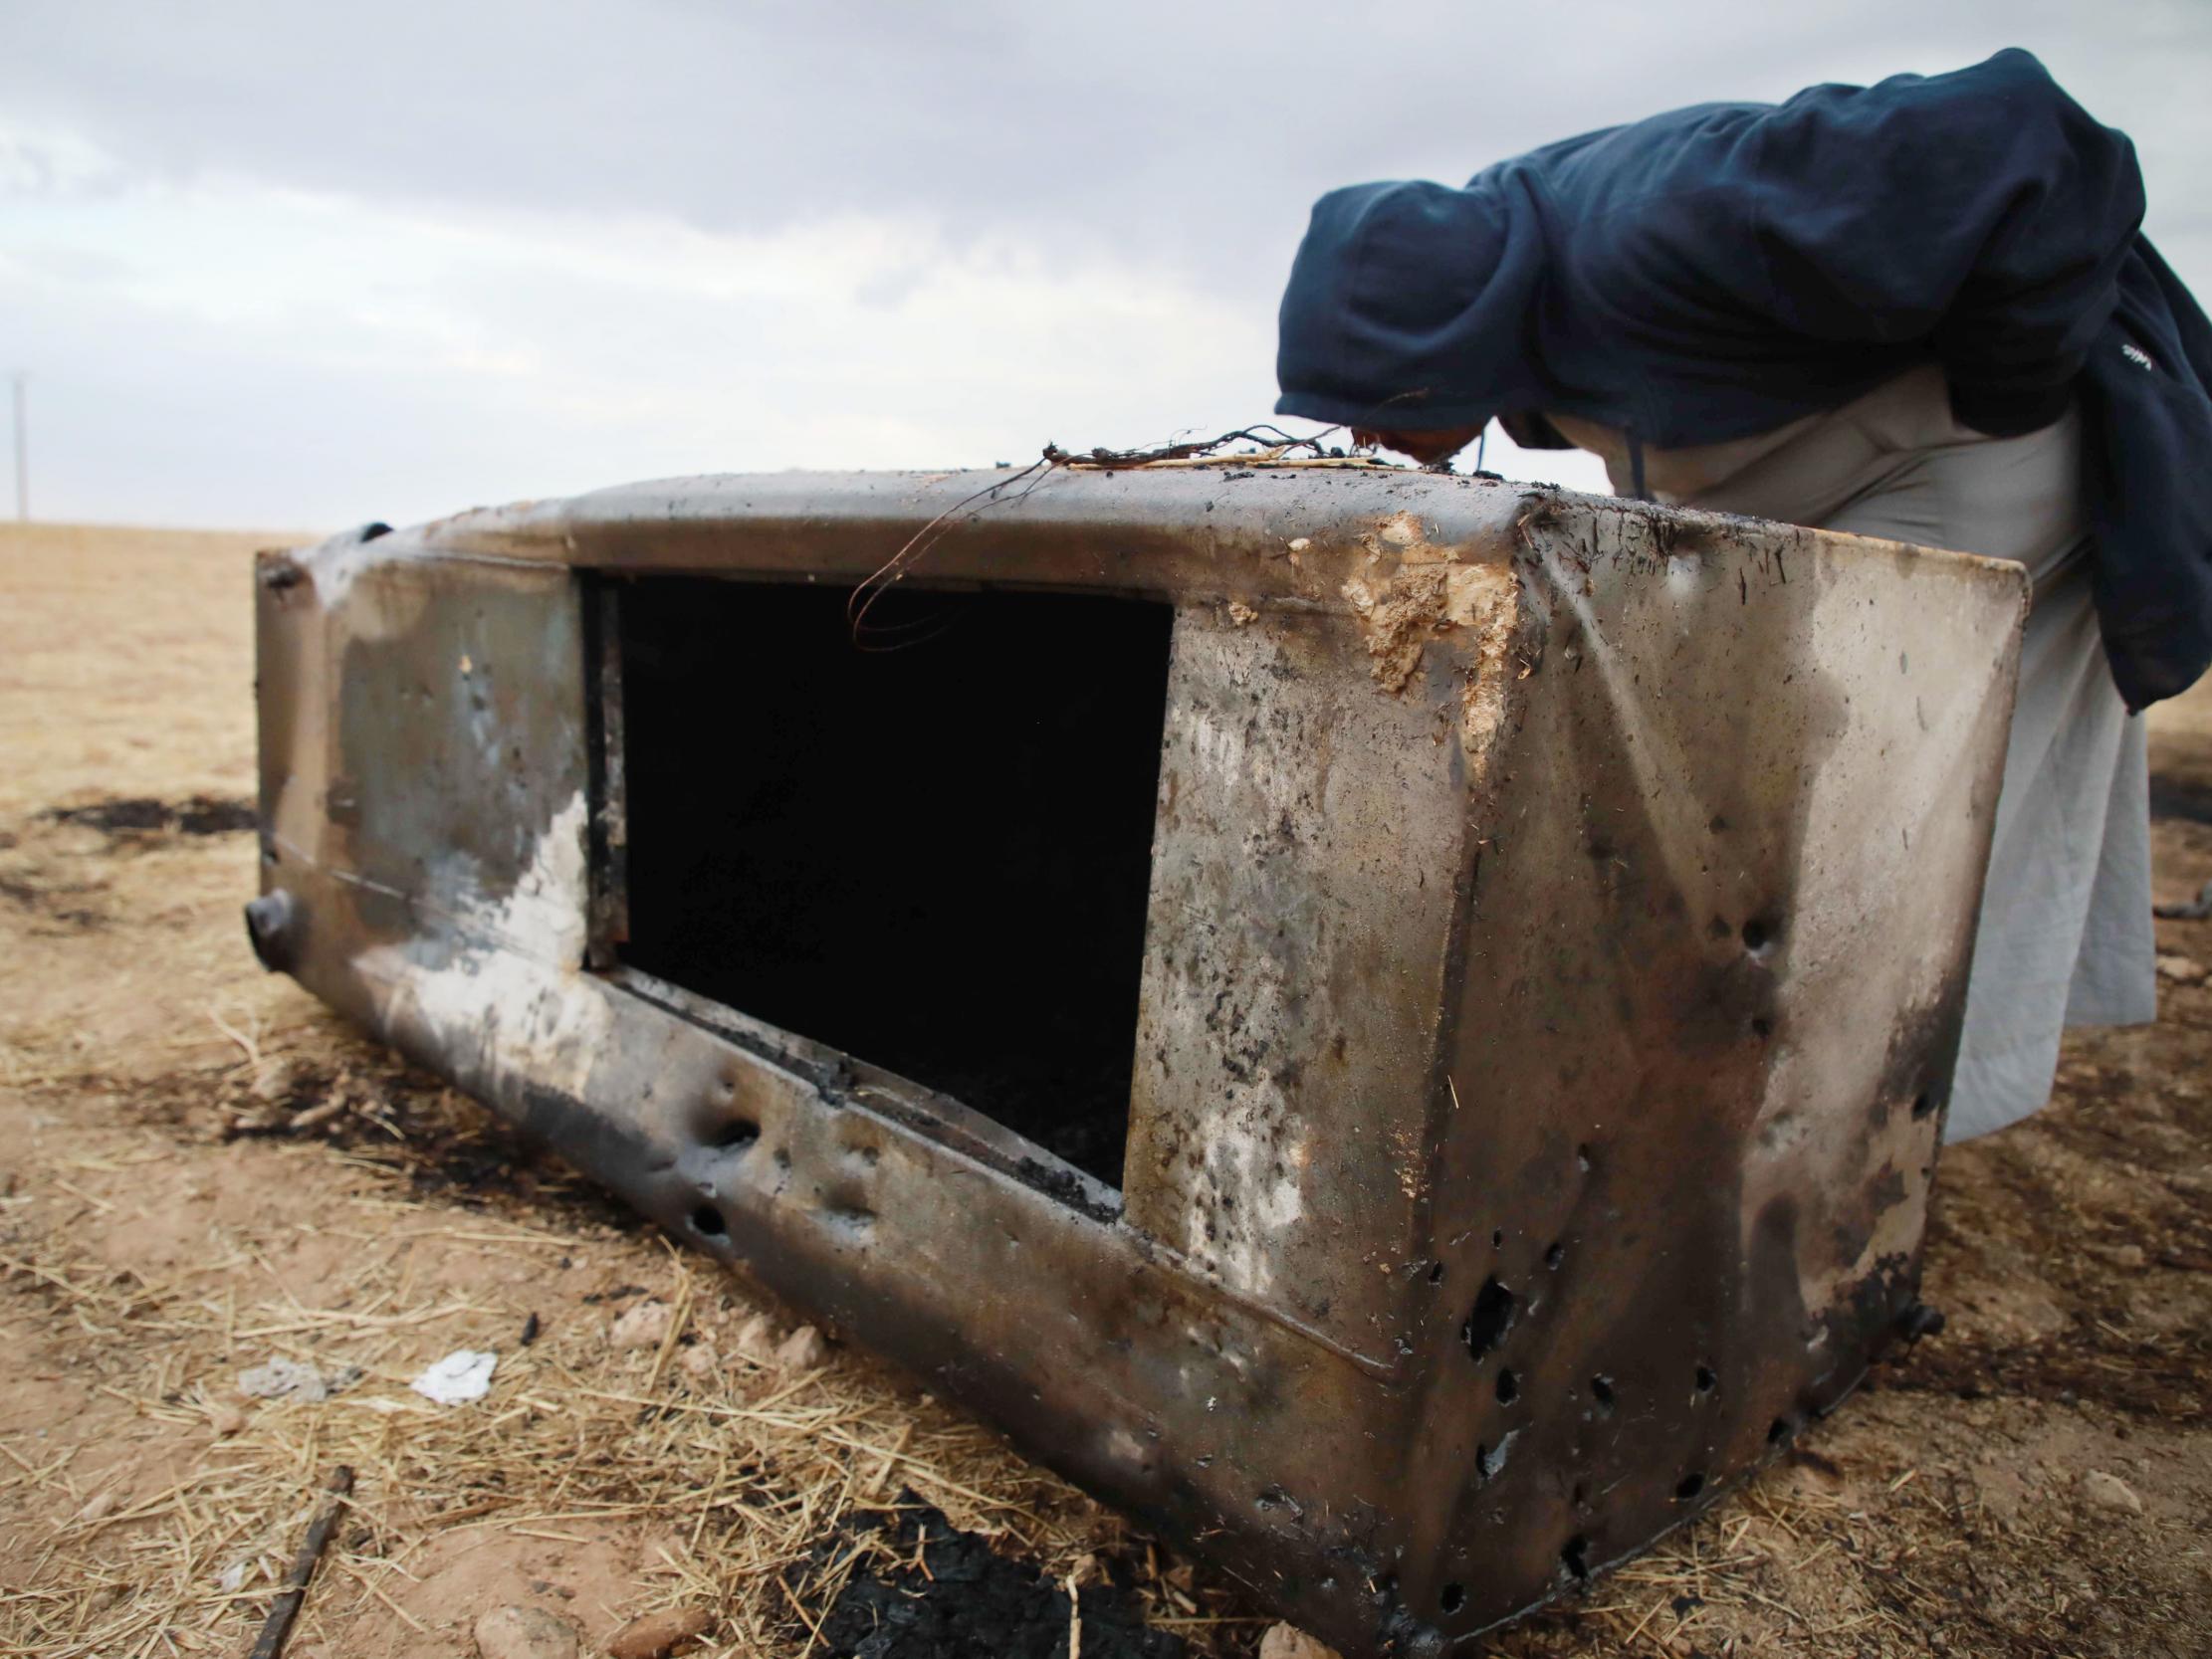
2066,925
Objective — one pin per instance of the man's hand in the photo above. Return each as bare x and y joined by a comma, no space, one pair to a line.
1427,448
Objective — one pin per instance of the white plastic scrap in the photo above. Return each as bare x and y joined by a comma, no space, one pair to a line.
464,1374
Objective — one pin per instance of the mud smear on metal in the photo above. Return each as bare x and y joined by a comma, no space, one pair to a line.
932,1592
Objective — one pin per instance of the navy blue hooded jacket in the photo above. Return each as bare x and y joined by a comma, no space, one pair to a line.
1724,269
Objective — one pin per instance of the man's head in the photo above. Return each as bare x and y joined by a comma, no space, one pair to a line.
1427,448
1406,312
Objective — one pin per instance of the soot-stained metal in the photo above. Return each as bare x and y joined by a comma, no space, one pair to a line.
1554,931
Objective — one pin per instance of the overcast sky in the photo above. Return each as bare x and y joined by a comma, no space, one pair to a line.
300,266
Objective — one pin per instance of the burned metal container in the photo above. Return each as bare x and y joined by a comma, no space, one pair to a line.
1394,1026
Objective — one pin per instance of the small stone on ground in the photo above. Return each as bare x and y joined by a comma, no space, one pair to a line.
802,1351
1287,1641
657,1635
644,1325
525,1633
2109,1492
296,1379
756,1340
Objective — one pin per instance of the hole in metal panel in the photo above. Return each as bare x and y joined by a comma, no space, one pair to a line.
1574,1556
1492,1316
933,854
706,1220
734,1135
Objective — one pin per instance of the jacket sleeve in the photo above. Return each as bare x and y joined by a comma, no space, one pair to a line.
1983,212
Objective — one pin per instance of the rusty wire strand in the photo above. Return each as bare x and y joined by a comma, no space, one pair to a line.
1050,459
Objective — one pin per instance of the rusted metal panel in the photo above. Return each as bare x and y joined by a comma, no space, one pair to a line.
1308,848
1559,920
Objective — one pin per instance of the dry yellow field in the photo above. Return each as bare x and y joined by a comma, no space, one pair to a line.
203,1171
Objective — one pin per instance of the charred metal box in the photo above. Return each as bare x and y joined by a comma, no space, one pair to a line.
1394,1026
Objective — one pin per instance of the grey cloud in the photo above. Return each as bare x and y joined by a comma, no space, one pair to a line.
1194,135
1181,139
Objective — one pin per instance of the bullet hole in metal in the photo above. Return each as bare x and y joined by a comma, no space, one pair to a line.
273,929
1556,1254
1601,1390
1497,1239
734,1135
1706,1381
1585,1158
1496,1309
1919,1320
1508,1387
1580,1497
706,1220
1778,1431
1574,1556
1757,935
1923,1106
1762,1027
1689,1486
1453,1598
1436,1274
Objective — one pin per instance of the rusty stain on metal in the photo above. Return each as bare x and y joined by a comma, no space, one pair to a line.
1553,947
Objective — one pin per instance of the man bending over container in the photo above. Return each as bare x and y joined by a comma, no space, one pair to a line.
1919,309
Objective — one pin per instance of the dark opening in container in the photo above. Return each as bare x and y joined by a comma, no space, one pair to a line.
931,850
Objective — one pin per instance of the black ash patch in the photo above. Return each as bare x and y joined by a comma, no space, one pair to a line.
141,815
950,1595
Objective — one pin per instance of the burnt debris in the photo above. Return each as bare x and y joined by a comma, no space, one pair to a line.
937,1592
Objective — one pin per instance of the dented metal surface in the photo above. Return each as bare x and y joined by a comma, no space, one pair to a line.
1559,919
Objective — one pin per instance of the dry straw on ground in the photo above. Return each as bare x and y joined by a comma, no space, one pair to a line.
200,1172
736,1469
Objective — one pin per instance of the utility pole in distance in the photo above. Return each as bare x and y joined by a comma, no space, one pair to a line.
22,448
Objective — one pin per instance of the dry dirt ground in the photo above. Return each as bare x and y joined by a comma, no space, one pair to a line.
200,1172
